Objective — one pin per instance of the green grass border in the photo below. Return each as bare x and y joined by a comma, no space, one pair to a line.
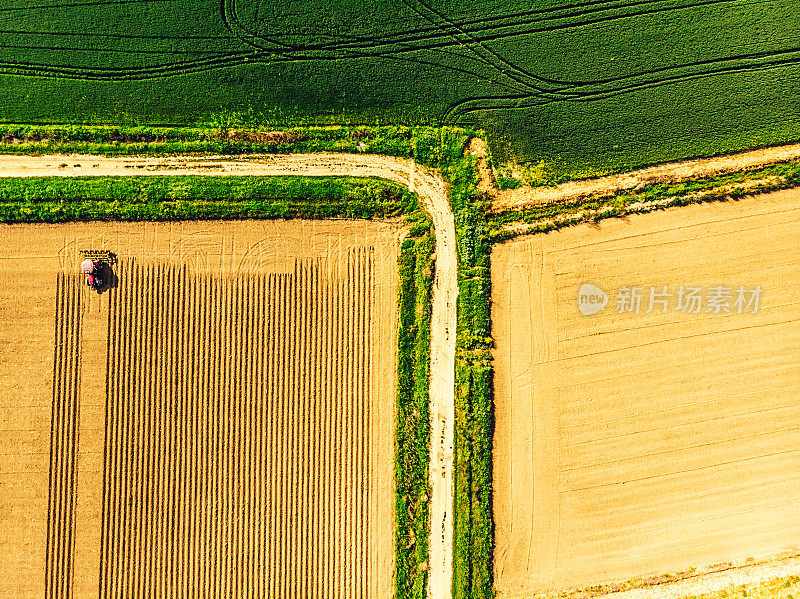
412,446
224,139
240,139
473,548
158,198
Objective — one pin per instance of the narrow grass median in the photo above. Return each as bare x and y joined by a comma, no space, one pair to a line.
63,199
412,457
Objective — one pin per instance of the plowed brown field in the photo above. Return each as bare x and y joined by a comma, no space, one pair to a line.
635,443
219,424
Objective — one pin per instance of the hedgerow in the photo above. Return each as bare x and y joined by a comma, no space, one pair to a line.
412,458
61,199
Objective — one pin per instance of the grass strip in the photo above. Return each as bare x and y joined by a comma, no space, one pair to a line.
474,525
412,487
149,141
157,198
423,143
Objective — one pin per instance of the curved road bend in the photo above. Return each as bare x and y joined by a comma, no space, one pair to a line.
431,188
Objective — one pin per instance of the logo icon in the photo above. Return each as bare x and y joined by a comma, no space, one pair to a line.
591,299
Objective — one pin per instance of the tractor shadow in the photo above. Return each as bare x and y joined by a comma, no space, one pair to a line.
107,276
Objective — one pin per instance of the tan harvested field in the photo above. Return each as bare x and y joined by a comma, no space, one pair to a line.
221,424
629,444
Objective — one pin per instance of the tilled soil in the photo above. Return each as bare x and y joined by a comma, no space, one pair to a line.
632,443
219,422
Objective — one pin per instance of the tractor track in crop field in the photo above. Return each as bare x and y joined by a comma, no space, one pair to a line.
446,41
138,355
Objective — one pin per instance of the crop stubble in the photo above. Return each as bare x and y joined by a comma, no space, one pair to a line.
645,443
246,435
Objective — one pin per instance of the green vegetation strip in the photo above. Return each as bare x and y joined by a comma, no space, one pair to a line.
61,199
474,525
413,417
225,139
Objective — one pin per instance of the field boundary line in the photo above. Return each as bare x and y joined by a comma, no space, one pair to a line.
690,583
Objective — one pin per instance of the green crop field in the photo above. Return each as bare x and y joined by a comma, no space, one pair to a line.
586,87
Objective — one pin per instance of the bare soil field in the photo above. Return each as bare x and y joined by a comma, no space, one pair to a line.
633,442
220,423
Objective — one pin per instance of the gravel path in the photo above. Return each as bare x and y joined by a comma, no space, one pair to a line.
515,199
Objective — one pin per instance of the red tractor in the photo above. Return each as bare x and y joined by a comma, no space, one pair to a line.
96,266
93,269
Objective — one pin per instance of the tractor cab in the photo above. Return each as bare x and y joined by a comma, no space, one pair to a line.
96,266
91,268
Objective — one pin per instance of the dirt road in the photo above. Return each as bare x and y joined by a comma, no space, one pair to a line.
672,172
433,193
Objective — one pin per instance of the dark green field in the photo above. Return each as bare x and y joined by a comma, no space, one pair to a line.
586,86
